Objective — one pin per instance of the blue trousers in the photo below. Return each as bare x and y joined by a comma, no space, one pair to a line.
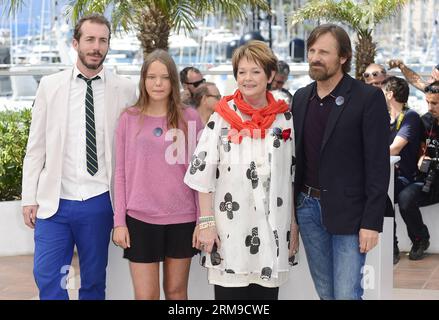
86,224
335,261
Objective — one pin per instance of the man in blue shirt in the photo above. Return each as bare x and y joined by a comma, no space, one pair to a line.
404,139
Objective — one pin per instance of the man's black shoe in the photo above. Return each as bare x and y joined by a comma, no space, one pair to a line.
418,249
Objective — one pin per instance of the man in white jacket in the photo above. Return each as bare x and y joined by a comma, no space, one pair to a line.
68,167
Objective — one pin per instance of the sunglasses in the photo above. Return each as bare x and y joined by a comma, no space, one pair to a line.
196,83
373,74
431,89
278,81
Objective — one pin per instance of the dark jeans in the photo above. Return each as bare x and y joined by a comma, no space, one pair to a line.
251,292
409,200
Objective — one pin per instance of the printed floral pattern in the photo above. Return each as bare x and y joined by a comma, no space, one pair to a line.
279,201
253,241
276,239
279,135
293,163
226,145
197,162
276,142
229,205
253,175
266,273
266,185
224,140
211,125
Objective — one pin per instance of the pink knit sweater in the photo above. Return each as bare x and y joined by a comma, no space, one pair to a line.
148,183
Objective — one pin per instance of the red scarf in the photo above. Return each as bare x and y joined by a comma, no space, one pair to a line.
261,120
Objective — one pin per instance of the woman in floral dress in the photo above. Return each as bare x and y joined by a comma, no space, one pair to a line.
242,169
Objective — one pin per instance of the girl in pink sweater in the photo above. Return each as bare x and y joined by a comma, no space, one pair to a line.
155,212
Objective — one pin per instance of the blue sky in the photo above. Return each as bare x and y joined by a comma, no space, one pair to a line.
32,9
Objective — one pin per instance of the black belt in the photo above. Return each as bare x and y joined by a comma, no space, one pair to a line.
310,191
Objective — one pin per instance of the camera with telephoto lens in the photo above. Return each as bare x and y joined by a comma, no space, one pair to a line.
425,166
430,167
431,175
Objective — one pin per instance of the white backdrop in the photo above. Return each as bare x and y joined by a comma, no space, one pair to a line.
15,237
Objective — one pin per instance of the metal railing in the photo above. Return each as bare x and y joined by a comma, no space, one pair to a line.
19,82
297,69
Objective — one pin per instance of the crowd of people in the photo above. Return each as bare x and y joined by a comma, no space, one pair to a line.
415,140
170,173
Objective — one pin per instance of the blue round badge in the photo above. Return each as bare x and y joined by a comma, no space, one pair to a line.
339,100
157,132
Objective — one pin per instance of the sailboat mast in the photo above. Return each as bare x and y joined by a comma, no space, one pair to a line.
29,20
408,28
11,43
43,8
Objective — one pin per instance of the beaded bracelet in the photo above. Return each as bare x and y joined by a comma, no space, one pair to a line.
205,225
206,219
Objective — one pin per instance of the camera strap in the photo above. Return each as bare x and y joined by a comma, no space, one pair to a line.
429,138
399,120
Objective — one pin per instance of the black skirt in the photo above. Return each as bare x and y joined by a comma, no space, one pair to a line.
153,243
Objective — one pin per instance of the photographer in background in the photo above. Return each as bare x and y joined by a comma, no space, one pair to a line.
375,74
404,139
190,79
279,81
425,191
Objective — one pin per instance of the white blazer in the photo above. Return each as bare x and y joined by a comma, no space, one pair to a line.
42,167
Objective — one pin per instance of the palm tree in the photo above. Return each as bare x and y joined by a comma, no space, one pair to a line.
362,16
154,19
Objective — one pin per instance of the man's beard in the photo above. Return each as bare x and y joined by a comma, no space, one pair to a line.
82,57
321,74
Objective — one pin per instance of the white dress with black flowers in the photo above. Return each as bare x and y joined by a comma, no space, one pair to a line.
253,197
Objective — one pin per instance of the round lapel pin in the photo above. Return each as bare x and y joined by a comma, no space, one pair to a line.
157,132
339,100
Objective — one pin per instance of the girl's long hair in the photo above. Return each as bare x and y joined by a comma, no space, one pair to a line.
174,112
